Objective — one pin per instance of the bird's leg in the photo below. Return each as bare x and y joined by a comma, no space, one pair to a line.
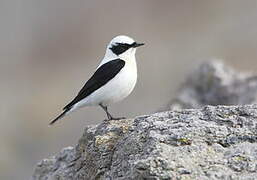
109,116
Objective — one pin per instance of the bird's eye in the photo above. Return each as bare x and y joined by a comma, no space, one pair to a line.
120,48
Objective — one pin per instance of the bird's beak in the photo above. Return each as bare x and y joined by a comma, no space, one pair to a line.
138,44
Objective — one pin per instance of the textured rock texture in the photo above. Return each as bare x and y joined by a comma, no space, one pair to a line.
215,142
209,143
214,83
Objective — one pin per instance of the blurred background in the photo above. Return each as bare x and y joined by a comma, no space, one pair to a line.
49,48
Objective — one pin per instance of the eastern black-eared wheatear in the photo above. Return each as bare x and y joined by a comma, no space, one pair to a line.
113,80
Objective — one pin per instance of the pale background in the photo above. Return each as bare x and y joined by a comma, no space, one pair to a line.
49,48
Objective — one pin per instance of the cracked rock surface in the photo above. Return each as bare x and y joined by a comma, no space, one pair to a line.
215,142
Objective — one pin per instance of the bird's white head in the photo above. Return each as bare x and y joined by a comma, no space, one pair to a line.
122,47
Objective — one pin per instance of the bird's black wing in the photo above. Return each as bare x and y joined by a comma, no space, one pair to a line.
102,75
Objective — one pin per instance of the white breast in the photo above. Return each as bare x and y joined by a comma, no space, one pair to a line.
116,89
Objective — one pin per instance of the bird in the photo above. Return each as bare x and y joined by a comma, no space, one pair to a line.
113,80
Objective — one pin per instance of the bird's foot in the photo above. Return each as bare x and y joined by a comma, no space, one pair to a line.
117,118
114,118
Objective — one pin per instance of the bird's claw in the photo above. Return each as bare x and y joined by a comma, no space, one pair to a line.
115,118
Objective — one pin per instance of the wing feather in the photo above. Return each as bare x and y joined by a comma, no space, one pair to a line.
102,76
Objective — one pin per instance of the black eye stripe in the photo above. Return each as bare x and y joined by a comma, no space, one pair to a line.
133,44
126,45
120,48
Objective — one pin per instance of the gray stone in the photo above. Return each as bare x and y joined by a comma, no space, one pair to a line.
214,83
209,143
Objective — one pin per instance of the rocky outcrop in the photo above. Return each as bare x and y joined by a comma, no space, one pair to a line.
209,143
214,142
214,83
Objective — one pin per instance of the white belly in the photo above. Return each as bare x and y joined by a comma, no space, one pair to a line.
116,89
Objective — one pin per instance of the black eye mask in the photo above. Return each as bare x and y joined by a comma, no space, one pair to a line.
120,48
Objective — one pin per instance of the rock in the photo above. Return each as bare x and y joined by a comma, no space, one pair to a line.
215,142
213,83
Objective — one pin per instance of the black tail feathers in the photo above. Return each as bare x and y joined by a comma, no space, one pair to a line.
60,116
